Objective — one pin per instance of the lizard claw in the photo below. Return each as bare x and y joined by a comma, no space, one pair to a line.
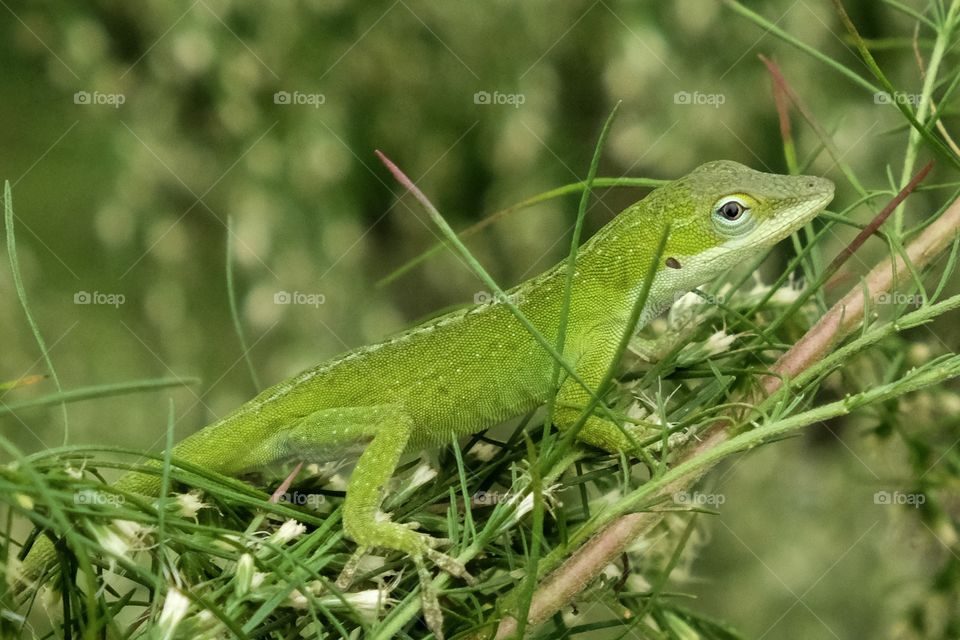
345,579
451,565
432,613
431,541
435,543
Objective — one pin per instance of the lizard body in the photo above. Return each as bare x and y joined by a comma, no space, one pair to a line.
468,370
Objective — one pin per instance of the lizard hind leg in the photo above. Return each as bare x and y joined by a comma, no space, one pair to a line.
383,433
362,520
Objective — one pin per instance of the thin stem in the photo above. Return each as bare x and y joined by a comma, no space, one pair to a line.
944,35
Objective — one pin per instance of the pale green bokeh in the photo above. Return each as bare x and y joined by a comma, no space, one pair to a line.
107,201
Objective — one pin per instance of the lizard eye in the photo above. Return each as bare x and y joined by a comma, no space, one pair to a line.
731,216
731,210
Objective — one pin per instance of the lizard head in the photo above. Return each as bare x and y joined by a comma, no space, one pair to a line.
723,214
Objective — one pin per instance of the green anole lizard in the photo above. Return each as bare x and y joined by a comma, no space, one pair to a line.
471,369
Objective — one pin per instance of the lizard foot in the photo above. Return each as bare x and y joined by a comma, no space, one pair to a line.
432,613
451,565
349,571
418,546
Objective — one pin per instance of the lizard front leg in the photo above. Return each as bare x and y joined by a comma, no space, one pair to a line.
591,367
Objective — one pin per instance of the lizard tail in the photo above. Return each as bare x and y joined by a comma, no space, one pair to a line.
204,448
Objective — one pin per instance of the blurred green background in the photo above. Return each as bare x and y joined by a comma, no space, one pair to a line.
131,131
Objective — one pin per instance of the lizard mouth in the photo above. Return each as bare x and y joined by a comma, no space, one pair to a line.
804,209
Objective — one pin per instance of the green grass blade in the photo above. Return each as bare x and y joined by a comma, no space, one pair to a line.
234,314
22,295
97,391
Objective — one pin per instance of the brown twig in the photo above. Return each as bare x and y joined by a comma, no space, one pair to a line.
845,315
589,560
285,485
878,220
782,101
782,85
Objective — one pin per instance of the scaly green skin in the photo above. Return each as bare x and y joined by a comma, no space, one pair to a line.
468,370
